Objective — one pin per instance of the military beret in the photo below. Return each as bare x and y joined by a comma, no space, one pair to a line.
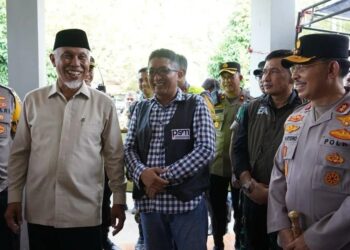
318,46
71,38
230,67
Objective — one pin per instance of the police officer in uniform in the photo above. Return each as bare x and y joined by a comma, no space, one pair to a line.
10,108
311,174
225,108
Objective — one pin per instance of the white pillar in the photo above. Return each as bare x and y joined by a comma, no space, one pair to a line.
26,44
273,27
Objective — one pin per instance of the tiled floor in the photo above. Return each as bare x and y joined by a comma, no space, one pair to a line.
127,238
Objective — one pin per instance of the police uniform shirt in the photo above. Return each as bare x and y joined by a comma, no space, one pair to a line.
57,153
311,175
7,106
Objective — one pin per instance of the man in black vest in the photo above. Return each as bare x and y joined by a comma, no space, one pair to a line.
260,131
168,148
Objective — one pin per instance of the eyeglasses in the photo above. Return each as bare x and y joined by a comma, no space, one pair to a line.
303,67
162,71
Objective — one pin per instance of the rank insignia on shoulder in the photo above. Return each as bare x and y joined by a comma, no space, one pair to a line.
296,118
342,108
345,119
332,178
335,158
342,133
291,128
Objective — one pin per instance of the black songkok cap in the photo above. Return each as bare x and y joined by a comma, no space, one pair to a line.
71,38
318,46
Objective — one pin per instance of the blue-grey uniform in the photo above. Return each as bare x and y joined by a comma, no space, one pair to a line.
9,116
311,175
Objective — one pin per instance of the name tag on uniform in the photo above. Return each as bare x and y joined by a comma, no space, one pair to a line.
180,134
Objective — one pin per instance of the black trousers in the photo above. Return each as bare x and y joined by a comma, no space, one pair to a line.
8,240
255,227
50,238
106,210
218,201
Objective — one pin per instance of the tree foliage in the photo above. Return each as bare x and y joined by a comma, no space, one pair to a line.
235,45
3,45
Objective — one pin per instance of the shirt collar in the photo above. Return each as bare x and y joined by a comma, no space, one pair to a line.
180,96
83,90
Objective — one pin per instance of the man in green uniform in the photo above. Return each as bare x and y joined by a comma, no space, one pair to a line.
220,170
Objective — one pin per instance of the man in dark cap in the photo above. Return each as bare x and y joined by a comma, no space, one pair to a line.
65,131
258,75
232,97
310,180
259,132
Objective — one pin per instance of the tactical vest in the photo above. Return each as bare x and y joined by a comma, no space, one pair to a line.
174,149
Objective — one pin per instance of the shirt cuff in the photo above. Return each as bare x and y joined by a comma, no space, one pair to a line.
14,196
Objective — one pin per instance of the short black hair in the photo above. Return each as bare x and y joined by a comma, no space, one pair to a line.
182,62
210,84
344,66
280,53
144,69
165,53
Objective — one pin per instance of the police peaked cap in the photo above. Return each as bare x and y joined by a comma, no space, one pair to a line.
318,46
230,67
71,38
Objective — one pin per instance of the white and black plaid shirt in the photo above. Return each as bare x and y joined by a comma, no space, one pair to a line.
201,155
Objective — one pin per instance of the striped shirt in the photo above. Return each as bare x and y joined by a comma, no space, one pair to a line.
200,156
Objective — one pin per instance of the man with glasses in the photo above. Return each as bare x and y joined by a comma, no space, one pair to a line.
226,107
169,145
259,133
311,174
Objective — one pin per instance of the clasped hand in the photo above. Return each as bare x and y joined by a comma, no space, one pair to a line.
259,192
154,184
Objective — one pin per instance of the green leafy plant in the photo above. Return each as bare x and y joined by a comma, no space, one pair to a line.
235,45
3,45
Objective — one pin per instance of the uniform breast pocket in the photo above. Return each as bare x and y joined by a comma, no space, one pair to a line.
288,151
332,172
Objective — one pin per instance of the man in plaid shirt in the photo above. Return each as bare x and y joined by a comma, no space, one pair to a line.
169,145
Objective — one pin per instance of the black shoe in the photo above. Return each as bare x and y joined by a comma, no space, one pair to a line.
109,245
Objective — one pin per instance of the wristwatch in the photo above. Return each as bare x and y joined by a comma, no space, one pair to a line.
247,187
